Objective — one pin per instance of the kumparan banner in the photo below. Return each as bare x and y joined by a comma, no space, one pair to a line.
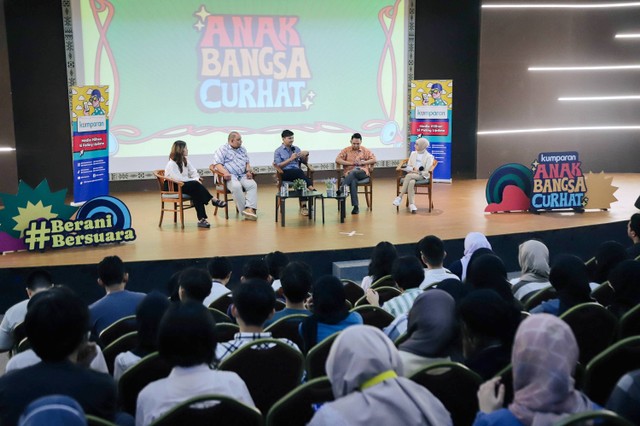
90,129
432,118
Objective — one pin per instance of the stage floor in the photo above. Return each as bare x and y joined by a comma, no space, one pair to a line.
459,209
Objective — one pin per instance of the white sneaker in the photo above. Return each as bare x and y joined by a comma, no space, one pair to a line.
397,201
413,208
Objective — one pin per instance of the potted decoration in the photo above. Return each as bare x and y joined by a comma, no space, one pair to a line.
331,186
299,185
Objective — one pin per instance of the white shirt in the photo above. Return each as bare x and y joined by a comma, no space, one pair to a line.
184,383
217,291
172,171
123,362
276,285
29,358
436,275
14,316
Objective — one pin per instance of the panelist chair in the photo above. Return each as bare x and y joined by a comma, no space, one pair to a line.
279,172
221,191
365,186
171,193
423,186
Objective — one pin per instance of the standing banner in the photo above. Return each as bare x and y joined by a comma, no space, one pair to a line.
432,117
90,122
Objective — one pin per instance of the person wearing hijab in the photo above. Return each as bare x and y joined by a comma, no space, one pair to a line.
625,281
432,331
533,257
545,354
488,272
472,242
365,371
417,168
570,279
488,325
330,312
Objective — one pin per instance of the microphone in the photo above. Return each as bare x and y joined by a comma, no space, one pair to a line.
421,168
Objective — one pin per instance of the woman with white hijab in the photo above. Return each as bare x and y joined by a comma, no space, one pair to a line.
472,242
364,368
417,168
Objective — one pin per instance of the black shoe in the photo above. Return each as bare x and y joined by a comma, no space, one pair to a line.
355,210
218,203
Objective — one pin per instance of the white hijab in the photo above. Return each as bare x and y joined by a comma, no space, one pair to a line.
472,242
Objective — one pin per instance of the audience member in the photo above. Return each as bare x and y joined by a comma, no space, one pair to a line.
276,261
545,354
364,367
432,254
256,269
570,279
296,284
187,341
487,271
194,285
56,325
417,168
357,163
625,398
625,281
432,331
37,280
219,269
173,286
407,273
148,316
330,312
533,257
488,325
232,161
253,304
118,302
609,254
382,257
472,242
633,231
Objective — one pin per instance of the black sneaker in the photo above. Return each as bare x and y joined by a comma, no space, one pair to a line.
355,210
218,203
203,223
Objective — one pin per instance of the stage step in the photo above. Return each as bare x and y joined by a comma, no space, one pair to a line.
351,269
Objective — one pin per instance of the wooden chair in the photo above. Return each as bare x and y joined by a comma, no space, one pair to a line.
385,293
365,186
317,357
629,324
386,281
279,172
352,291
604,371
374,316
121,344
599,417
455,386
593,326
538,297
297,407
426,184
225,331
287,327
116,330
171,193
221,192
207,410
134,379
269,367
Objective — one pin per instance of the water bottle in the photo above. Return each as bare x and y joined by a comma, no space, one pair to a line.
345,190
283,191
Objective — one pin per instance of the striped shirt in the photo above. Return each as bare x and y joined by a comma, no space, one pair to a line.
403,303
225,349
235,160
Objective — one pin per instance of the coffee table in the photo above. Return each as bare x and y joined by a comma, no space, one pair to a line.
311,196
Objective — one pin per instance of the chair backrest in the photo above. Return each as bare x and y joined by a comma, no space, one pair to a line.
386,281
121,344
167,185
593,326
287,327
219,316
298,406
384,293
506,378
206,410
221,303
117,329
603,372
599,417
629,324
134,379
269,367
603,294
317,356
455,386
540,296
280,305
97,421
19,332
352,291
225,331
374,316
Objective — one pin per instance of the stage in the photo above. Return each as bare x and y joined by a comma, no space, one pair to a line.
459,209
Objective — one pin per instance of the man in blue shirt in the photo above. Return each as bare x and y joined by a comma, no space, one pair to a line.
289,158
